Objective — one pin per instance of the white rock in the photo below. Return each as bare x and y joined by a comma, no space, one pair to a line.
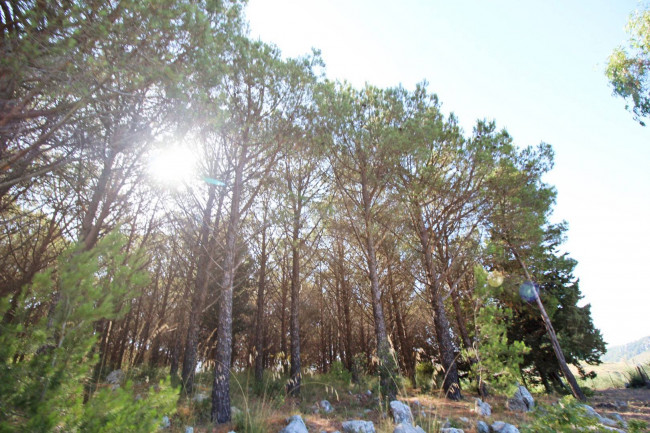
165,422
503,427
234,411
189,429
464,420
521,401
296,425
358,426
451,430
482,408
326,406
115,377
482,427
401,412
407,428
200,397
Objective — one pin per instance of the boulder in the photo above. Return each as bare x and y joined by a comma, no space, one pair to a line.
189,429
590,411
401,412
165,422
619,418
482,408
482,427
451,430
326,406
503,427
115,377
407,428
620,405
521,401
358,426
295,425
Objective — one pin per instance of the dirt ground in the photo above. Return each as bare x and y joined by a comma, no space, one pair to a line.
638,403
629,403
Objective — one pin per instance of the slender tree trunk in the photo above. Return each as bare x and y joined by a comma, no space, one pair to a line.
451,383
259,325
198,297
155,346
221,386
283,314
573,384
294,372
387,364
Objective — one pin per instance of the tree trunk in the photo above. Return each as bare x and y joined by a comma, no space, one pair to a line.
451,384
293,386
573,384
259,325
198,297
221,386
283,314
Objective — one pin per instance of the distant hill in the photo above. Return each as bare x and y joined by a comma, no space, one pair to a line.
628,351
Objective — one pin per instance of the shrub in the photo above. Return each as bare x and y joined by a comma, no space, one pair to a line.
637,378
568,415
125,410
424,375
48,354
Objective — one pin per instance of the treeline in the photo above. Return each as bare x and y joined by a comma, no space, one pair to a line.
325,223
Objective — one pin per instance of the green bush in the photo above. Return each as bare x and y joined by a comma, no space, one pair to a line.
424,375
338,373
125,410
568,416
636,378
48,354
637,426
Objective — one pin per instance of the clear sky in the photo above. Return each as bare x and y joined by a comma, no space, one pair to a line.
537,69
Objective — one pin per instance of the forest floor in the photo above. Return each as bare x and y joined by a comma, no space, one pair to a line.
430,411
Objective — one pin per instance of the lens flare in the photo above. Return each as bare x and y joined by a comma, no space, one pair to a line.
495,279
528,291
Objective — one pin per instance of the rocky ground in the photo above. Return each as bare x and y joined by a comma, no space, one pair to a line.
431,412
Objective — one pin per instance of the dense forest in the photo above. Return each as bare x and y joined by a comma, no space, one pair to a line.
322,224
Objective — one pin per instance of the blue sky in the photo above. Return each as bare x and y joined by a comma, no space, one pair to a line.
537,69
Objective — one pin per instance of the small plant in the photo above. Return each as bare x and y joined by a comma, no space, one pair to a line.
568,415
637,426
127,410
424,375
637,378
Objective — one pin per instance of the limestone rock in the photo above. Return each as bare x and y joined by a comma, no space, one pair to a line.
407,428
115,377
521,401
503,427
482,408
189,429
326,406
296,425
619,418
165,422
590,411
451,430
358,426
401,412
199,397
482,427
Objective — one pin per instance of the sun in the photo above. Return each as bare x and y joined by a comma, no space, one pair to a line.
173,166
